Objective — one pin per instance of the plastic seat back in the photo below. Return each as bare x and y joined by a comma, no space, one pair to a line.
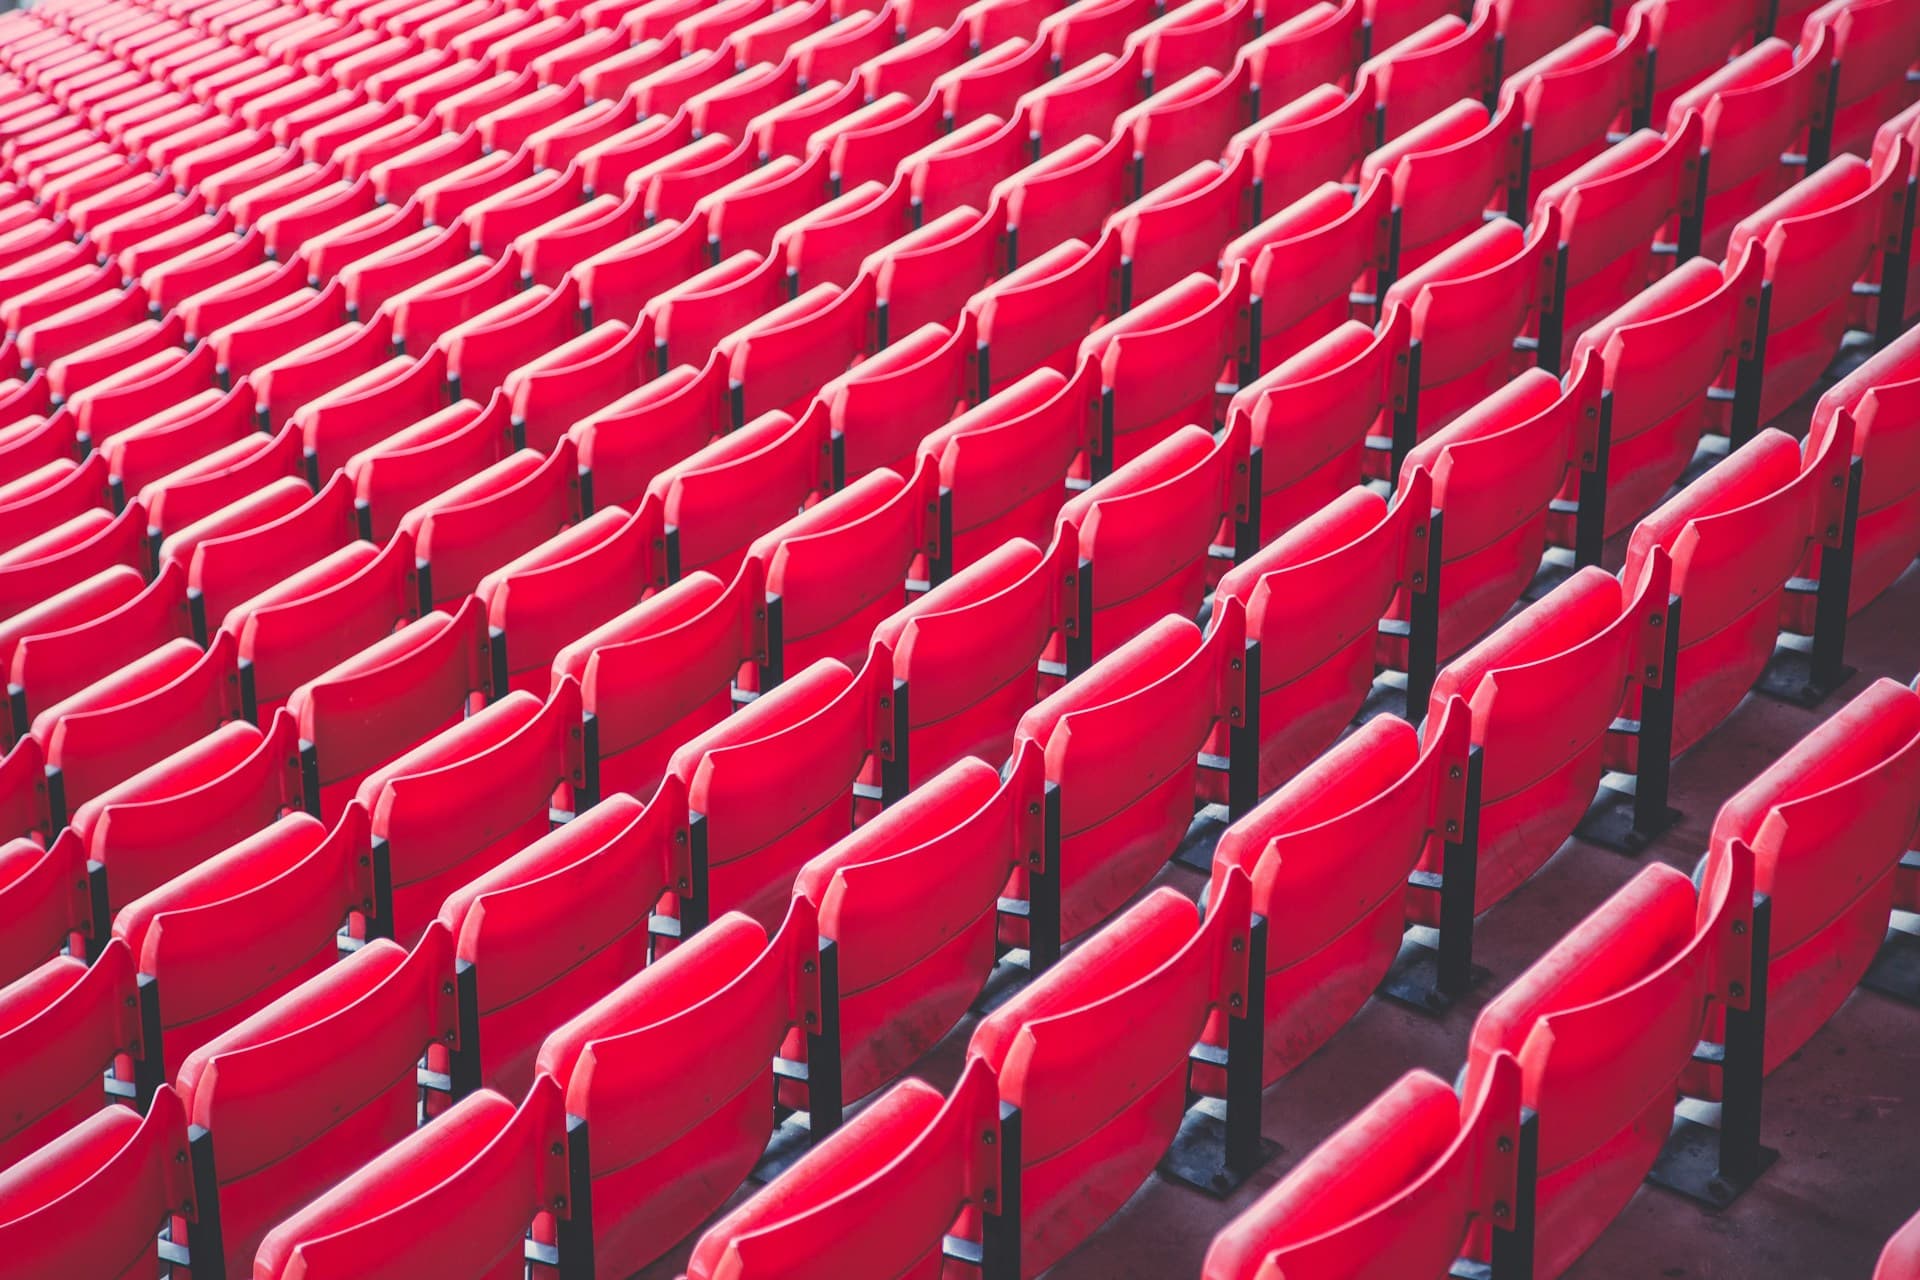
390,696
775,781
96,1198
457,1198
1314,599
1603,1025
62,1025
314,1085
227,937
1142,988
1329,855
1828,824
1126,794
520,972
672,1075
1397,1191
1304,262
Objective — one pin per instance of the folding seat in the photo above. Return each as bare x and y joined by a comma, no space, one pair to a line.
1818,238
790,127
1338,844
1065,196
1143,989
247,342
1828,824
619,281
1604,1025
1082,100
962,168
1496,470
716,501
928,275
176,814
51,496
1005,464
1036,315
1320,44
1314,598
1161,362
776,362
497,218
124,399
226,569
1870,42
43,902
1320,137
366,408
1887,535
1189,122
828,244
839,568
1173,498
747,212
96,1197
689,319
175,436
387,698
750,849
489,518
465,800
669,1083
98,361
572,380
1611,211
1544,690
550,250
1303,263
1446,173
62,1026
912,66
1178,227
1422,74
1578,96
520,978
484,348
868,144
458,1202
839,51
879,411
1754,111
674,184
425,311
132,718
98,316
1403,1188
229,936
608,163
77,549
51,663
332,1061
894,1179
625,443
993,81
1126,797
1735,535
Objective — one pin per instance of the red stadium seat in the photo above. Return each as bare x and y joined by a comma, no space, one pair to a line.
669,1074
717,500
332,1063
224,939
746,850
1754,111
1314,599
1611,210
97,1197
1828,824
1126,795
1141,989
488,519
966,656
1869,42
1544,690
1403,1186
1177,227
1446,173
59,652
518,976
388,697
465,800
1661,353
879,411
1324,135
700,632
456,1198
1604,1025
1578,95
1818,238
1888,534
1421,74
1735,535
62,1026
1495,472
1329,855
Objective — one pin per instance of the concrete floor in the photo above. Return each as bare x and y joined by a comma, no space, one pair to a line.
1844,1113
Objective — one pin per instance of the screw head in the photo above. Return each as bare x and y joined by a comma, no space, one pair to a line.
557,1149
808,968
1505,1145
1453,772
1739,989
1740,928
